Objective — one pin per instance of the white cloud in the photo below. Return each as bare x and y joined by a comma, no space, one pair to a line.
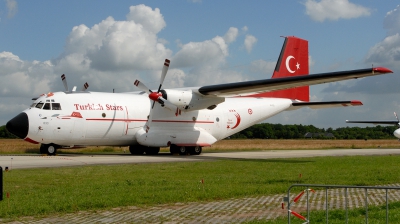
334,10
231,35
387,52
112,54
261,66
151,20
249,42
23,78
207,53
12,8
392,21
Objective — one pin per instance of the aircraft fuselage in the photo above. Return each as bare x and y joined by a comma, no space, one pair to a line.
119,119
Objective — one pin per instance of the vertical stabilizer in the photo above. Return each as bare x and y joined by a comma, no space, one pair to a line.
293,61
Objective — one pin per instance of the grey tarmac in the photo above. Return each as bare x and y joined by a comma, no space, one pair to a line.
40,161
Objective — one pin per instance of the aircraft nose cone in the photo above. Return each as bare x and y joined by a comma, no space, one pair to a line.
19,125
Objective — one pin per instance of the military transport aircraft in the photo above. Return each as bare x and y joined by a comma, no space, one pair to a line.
396,133
184,119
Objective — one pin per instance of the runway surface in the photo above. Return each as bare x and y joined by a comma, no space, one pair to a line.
40,161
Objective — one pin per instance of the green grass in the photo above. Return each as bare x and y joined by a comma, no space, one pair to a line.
46,191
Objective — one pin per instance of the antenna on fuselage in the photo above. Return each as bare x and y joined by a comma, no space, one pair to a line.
64,80
85,86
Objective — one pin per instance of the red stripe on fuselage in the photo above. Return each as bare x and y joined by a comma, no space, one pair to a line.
162,121
124,120
31,141
172,121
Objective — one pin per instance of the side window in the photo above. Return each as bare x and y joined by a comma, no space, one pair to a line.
56,106
47,106
39,105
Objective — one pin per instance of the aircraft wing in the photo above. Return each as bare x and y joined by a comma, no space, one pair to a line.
268,85
326,104
394,122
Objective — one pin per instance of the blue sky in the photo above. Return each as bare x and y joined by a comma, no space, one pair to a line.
110,44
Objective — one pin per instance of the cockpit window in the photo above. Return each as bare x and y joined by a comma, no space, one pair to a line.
33,105
56,106
47,106
39,105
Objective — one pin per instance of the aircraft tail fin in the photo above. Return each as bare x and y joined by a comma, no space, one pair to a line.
292,61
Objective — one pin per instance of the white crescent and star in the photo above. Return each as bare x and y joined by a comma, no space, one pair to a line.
287,64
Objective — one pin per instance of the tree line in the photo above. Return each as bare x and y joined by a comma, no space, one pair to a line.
279,131
5,134
294,131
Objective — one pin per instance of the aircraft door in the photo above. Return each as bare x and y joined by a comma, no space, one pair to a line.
132,121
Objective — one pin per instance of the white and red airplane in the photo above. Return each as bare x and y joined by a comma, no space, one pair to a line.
396,133
184,119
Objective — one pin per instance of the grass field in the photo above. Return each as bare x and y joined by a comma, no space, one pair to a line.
52,191
17,146
47,191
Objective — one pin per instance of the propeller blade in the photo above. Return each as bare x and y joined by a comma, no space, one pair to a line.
157,97
142,86
164,73
64,80
85,86
396,116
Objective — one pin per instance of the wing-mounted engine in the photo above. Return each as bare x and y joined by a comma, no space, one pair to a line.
187,100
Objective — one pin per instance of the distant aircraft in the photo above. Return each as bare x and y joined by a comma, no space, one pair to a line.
183,119
392,122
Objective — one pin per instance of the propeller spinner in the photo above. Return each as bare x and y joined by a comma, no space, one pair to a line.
157,96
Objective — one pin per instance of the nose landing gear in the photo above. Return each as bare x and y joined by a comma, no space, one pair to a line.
49,149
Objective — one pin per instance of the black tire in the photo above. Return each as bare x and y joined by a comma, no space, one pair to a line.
196,150
136,149
152,150
173,149
49,149
182,150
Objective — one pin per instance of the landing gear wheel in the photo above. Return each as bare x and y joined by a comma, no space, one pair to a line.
196,150
136,149
174,149
49,149
152,150
182,150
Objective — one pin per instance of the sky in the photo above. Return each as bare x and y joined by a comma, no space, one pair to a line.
110,44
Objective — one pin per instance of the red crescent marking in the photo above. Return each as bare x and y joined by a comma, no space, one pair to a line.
237,122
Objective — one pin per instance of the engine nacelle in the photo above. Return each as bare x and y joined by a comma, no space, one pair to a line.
187,100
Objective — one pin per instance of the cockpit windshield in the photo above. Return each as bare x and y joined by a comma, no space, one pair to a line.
55,106
47,105
39,105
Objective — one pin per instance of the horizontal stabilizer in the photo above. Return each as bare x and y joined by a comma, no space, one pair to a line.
327,104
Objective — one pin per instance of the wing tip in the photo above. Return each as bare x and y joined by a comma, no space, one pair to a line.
382,70
356,103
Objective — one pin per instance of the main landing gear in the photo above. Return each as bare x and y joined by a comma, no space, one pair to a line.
174,149
140,150
184,150
49,149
